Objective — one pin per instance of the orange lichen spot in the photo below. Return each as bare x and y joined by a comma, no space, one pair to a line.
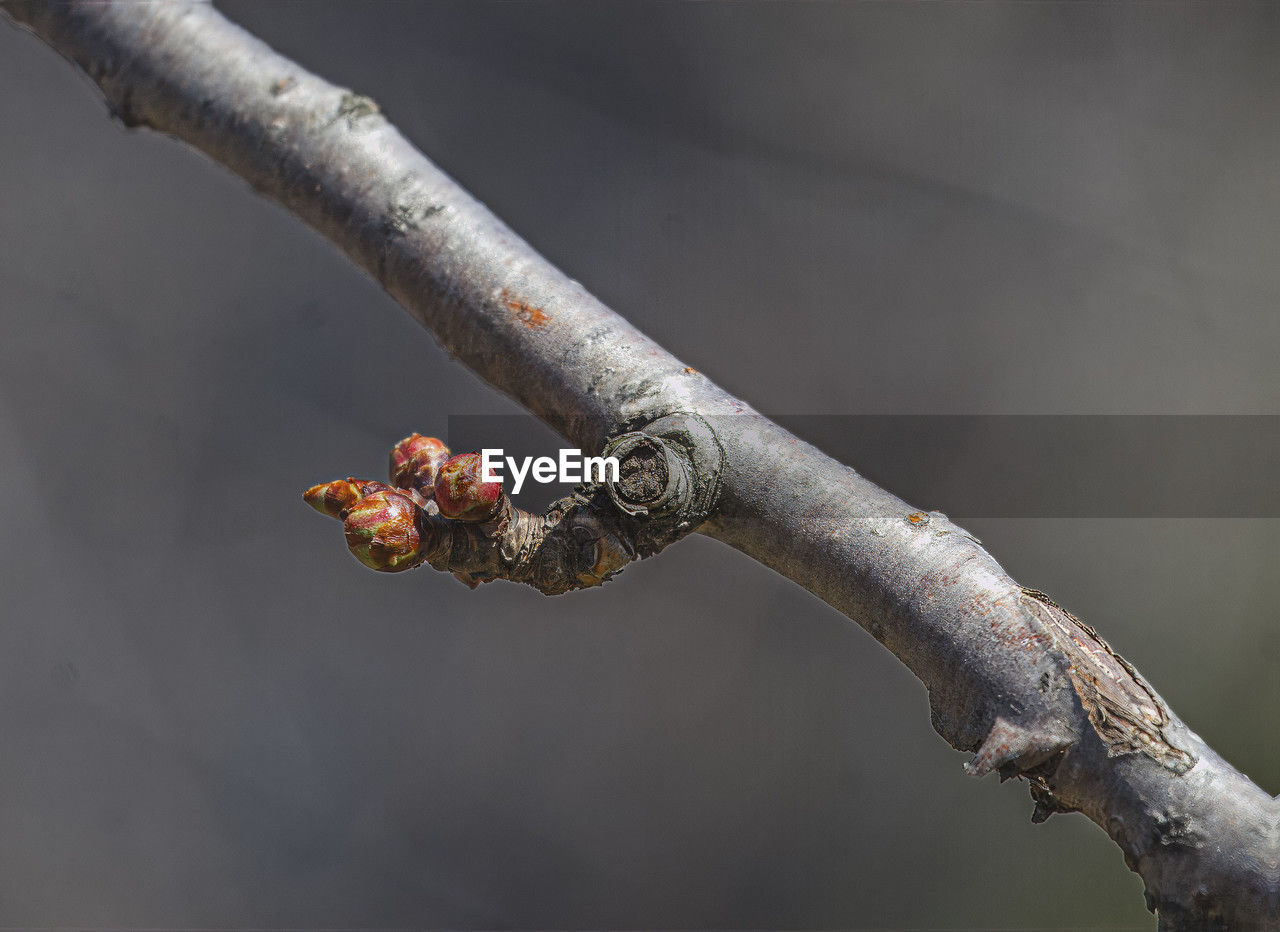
530,315
689,370
917,517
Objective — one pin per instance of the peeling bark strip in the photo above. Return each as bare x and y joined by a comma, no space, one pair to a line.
1033,692
1124,711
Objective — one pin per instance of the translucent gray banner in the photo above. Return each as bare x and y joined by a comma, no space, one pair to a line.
1015,466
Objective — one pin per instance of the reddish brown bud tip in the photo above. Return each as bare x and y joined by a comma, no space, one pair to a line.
383,531
415,460
462,494
333,498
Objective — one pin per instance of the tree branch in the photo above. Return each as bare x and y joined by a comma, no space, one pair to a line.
1011,676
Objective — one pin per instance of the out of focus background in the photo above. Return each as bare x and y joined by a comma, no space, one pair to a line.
212,716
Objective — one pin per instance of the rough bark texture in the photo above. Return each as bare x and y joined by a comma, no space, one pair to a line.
1011,676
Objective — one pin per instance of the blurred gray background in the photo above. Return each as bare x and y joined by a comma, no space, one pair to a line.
212,716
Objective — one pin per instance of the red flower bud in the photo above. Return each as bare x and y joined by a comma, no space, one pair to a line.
415,460
384,533
462,494
336,498
333,498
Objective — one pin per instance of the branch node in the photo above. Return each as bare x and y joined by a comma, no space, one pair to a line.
1013,748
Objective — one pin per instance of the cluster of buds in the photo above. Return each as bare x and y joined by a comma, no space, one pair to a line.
396,527
439,510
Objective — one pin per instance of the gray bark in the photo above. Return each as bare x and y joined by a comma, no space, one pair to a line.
1033,692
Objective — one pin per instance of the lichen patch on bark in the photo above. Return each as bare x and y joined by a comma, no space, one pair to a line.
529,315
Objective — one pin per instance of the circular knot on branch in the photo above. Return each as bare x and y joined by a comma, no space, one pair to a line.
668,477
